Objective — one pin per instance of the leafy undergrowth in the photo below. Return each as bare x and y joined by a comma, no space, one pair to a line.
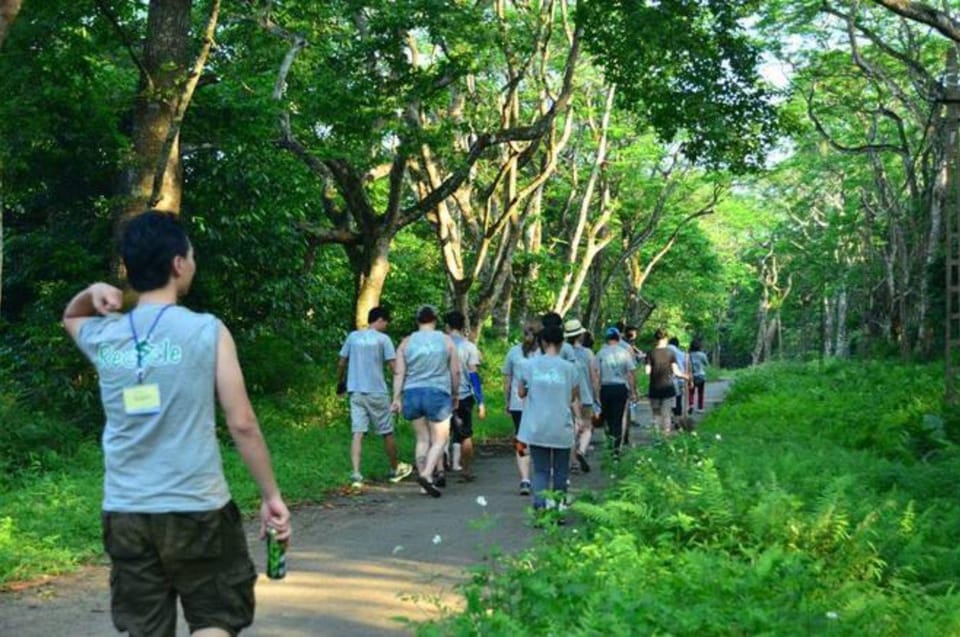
814,502
50,510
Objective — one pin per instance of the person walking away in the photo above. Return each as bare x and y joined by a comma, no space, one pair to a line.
552,319
679,379
587,374
550,387
516,358
170,526
629,342
470,394
698,369
427,375
615,372
662,367
362,358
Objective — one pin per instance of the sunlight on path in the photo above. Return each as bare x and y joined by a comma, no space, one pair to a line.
354,568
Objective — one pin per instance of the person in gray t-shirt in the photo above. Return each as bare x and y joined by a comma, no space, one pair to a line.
161,368
362,357
518,356
551,388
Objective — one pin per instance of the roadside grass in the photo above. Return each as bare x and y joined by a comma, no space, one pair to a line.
50,510
815,501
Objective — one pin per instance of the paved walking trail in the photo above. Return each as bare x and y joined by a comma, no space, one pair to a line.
357,563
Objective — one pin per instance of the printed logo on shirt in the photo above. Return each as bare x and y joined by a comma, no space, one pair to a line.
548,376
162,354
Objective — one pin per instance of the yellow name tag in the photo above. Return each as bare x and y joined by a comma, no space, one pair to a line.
141,400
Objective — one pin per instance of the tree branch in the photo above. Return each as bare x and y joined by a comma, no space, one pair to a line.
924,14
126,41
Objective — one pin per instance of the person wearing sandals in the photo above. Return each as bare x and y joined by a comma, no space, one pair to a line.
470,394
550,387
615,367
424,391
574,331
516,358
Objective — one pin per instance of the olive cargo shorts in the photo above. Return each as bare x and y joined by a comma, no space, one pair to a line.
200,557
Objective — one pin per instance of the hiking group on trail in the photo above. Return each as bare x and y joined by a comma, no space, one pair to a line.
170,526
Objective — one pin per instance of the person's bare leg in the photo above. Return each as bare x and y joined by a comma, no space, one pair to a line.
423,444
466,455
439,433
356,446
523,465
210,632
390,447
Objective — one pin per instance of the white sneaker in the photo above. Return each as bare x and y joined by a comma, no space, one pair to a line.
402,471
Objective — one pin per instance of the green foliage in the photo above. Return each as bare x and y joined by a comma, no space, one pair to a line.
50,495
690,70
780,517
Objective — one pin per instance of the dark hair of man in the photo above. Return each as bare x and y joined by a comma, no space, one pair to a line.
551,319
530,341
631,328
377,313
695,345
426,314
674,341
149,243
552,335
659,335
455,320
587,340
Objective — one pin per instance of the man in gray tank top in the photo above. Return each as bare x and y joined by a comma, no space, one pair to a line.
169,525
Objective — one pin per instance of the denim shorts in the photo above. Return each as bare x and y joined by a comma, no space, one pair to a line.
426,402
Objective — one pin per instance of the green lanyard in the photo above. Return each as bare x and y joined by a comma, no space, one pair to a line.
140,345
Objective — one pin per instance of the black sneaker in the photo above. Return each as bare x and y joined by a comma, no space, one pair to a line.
429,487
440,480
582,461
525,487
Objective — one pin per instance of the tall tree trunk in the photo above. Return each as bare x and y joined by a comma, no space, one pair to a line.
826,329
594,311
372,278
842,348
166,59
501,313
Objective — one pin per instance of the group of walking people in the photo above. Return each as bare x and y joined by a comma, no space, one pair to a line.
556,390
436,385
170,526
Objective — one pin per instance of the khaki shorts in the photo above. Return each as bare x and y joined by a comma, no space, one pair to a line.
202,558
370,411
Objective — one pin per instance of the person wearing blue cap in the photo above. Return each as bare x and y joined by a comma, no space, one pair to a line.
617,384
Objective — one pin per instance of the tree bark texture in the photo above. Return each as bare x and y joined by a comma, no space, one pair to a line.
166,57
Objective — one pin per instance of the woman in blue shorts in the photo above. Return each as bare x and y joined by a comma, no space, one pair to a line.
427,370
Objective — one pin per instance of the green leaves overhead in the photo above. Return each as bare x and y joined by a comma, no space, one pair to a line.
689,69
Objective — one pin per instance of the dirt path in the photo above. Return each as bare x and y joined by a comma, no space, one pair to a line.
357,564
